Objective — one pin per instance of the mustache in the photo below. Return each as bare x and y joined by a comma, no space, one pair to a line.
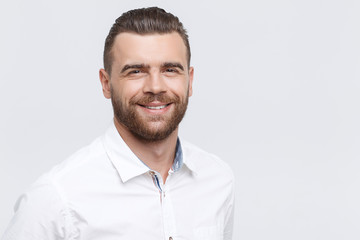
150,97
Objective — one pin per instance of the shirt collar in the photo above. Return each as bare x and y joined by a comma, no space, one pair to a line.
187,156
178,161
126,162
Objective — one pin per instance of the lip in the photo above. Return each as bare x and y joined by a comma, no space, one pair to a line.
155,107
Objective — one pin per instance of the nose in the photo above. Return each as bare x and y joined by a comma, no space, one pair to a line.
155,83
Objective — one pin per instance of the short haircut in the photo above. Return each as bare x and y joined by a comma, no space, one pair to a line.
144,21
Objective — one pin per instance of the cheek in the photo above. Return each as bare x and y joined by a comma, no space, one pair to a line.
127,91
180,87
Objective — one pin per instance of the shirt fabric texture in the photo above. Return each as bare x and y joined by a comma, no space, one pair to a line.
104,192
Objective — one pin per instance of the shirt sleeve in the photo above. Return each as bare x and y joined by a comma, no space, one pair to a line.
229,219
40,213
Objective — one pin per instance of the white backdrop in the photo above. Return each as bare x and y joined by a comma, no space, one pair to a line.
276,95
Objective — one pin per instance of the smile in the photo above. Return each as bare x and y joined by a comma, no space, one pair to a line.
157,107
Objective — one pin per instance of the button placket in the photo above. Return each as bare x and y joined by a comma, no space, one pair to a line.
156,181
166,205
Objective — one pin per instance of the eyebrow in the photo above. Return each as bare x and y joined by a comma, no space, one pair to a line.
142,66
173,64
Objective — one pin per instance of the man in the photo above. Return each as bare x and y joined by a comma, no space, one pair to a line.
137,181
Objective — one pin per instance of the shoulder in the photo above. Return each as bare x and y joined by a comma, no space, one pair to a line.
46,184
204,161
40,213
52,186
80,162
43,209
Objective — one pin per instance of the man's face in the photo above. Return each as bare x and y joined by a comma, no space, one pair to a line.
149,84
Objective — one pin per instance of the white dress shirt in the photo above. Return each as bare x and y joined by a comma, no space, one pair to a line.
104,192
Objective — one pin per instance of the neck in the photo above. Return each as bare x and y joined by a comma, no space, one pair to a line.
158,155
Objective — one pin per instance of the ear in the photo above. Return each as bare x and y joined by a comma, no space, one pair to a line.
105,83
191,77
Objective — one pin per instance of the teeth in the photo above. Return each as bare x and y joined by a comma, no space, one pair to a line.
156,108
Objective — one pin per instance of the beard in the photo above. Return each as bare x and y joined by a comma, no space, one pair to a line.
149,128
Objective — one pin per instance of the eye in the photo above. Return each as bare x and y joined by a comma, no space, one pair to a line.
135,71
171,70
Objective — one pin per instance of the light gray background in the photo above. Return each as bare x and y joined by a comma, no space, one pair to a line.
276,95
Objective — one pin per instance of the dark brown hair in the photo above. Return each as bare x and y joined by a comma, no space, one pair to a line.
144,21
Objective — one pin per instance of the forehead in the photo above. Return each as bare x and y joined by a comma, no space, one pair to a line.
149,48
